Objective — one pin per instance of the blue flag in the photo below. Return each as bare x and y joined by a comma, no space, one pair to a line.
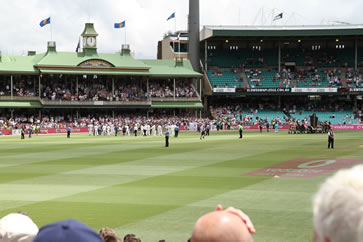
171,16
44,22
120,25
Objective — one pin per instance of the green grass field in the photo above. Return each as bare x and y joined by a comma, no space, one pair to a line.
135,185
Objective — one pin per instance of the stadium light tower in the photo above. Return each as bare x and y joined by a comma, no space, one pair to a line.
194,39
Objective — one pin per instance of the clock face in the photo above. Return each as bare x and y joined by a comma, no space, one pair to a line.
91,41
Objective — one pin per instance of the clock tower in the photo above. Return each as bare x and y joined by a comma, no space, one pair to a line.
89,37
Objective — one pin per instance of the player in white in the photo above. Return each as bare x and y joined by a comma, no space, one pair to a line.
104,129
135,129
90,127
172,129
127,130
148,129
108,129
160,130
96,130
153,130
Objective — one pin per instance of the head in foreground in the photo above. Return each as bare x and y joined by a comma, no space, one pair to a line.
220,226
338,207
67,231
17,227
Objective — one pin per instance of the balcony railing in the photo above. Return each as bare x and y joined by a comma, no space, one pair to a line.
100,103
177,99
95,103
19,98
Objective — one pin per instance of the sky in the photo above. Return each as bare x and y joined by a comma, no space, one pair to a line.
146,20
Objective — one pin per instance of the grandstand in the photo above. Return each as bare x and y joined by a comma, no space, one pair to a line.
309,62
88,80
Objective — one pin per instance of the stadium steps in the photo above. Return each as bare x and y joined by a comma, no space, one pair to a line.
343,78
244,78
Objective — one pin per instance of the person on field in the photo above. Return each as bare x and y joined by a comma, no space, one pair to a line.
167,134
202,134
276,128
207,129
68,131
30,130
260,125
90,128
338,207
240,130
176,131
22,133
223,225
267,126
331,138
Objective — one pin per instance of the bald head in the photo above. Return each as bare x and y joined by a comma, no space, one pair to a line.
220,226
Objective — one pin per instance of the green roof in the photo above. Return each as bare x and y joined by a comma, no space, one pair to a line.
168,68
89,30
117,64
20,104
17,64
177,105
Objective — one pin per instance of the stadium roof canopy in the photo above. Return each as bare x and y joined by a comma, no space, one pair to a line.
210,31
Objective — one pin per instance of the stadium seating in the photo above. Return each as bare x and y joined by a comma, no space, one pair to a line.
269,114
225,79
244,57
341,117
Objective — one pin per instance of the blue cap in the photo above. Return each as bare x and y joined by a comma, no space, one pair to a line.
69,230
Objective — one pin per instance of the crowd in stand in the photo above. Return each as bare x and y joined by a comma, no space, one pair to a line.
288,78
23,88
354,78
93,89
182,89
333,220
235,114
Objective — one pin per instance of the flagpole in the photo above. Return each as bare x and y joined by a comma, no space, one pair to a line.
175,22
125,33
51,28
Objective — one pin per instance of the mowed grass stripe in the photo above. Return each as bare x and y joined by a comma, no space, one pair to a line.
165,160
152,198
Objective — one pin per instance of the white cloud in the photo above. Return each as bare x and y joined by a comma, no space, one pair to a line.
146,20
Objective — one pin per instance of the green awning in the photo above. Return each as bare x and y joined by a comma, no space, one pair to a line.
177,105
20,104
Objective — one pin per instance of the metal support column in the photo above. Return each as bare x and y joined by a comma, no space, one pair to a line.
174,88
147,89
113,86
206,55
40,90
77,88
11,87
279,56
356,55
200,88
35,88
